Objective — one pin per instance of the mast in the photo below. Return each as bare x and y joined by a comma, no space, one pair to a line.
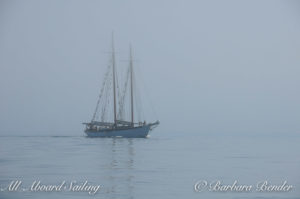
114,78
131,86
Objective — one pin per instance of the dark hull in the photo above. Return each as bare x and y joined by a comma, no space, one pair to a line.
133,132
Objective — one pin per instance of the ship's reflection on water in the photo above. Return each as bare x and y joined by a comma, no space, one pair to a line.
120,176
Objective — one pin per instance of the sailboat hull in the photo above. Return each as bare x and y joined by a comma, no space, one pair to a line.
135,132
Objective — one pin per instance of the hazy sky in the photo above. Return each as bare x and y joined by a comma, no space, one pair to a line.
209,66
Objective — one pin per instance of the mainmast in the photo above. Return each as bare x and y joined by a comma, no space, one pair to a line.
114,78
131,86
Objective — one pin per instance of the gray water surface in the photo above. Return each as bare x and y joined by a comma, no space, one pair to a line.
161,166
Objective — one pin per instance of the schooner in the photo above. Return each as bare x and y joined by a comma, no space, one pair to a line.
119,127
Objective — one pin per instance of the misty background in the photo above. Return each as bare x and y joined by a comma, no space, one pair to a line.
209,66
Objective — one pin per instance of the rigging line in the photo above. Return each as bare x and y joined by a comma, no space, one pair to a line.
106,100
118,87
122,98
147,92
138,101
101,92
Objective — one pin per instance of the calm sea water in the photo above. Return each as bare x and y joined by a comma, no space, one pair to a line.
166,165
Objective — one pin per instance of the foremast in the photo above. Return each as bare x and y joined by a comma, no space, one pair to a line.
131,87
114,79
